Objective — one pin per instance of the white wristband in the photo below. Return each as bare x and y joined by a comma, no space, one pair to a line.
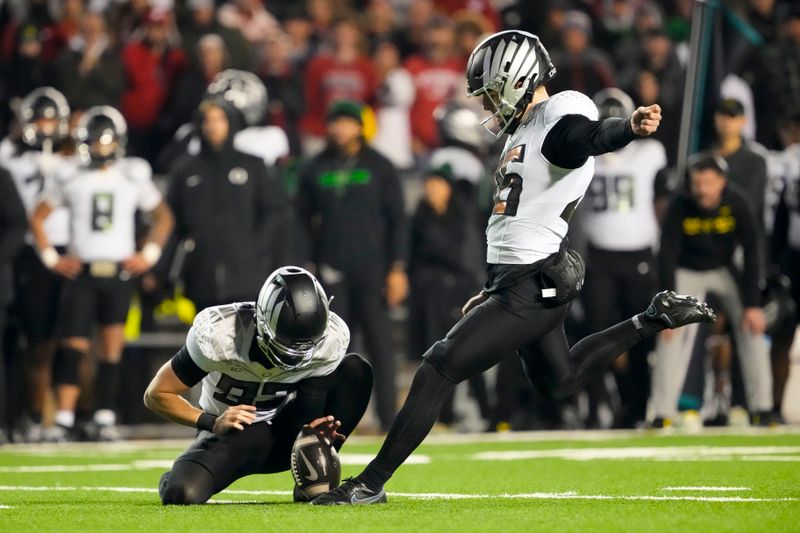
49,257
151,252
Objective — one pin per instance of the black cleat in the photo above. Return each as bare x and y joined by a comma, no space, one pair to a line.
676,310
351,492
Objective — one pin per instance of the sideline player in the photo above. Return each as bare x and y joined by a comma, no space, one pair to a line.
32,158
267,368
101,197
619,221
544,172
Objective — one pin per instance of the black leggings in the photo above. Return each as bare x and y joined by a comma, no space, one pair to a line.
213,462
514,318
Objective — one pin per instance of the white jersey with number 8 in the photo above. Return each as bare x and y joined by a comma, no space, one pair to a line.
102,205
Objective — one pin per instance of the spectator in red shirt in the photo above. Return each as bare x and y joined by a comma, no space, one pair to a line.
345,74
152,66
437,73
484,8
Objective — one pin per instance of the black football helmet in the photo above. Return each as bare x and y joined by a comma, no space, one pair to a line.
291,317
244,90
101,135
613,102
44,115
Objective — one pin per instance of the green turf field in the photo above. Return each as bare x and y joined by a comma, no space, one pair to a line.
749,481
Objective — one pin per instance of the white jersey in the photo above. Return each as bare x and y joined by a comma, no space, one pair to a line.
268,143
535,198
464,164
102,205
619,213
219,342
33,171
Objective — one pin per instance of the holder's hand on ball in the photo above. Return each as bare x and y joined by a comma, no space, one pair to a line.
327,427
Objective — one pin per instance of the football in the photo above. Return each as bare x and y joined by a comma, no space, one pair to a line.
315,465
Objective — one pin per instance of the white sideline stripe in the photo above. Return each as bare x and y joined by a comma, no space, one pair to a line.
346,459
107,448
780,458
657,453
707,489
5,507
569,495
365,458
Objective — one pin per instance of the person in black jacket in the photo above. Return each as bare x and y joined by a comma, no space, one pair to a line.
700,234
350,199
13,225
444,268
227,206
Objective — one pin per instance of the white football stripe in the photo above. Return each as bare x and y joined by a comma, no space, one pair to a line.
707,489
365,458
657,453
569,495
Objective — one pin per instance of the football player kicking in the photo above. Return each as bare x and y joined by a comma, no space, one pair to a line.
544,171
267,369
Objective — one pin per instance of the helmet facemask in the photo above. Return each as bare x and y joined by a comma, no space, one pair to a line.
499,121
294,357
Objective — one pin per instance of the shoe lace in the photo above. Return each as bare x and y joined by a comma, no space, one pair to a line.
342,490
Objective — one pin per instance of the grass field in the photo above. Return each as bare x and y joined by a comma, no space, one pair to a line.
591,481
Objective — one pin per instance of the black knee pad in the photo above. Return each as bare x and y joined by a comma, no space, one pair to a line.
354,367
184,488
66,366
440,357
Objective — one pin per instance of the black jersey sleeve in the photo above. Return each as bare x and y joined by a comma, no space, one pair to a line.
186,369
574,138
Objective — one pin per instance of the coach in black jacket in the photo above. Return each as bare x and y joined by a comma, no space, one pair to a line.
227,207
351,202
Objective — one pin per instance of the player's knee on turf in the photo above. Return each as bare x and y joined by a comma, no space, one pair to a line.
190,485
179,492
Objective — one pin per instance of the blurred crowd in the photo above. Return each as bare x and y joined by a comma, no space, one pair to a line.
337,135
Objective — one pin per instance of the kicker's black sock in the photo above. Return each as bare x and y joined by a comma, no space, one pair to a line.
591,355
429,390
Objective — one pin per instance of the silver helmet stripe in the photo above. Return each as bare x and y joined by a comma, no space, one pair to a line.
497,60
528,65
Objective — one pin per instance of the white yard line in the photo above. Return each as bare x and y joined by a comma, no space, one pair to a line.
707,489
438,439
671,453
158,464
570,495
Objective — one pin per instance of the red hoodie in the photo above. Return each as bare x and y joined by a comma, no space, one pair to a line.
149,79
435,84
327,81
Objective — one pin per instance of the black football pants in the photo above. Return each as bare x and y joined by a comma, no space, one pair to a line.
213,462
513,318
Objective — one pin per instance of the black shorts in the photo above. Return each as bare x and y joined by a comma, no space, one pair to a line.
265,448
86,301
37,292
